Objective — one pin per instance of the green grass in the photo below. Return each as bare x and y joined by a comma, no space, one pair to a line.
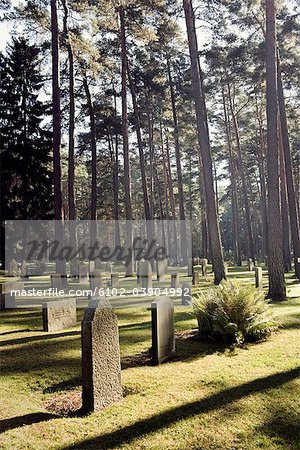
208,397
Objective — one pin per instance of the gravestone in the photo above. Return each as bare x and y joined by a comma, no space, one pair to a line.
145,275
24,274
196,277
101,366
196,261
226,268
250,265
114,280
7,299
163,336
83,274
258,278
13,268
186,295
204,266
161,268
92,267
96,280
59,314
175,280
56,281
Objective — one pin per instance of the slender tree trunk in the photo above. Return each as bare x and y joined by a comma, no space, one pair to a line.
284,208
60,265
172,198
93,216
234,199
127,178
204,144
275,257
251,252
294,219
183,231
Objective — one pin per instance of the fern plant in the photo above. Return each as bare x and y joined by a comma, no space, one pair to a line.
234,312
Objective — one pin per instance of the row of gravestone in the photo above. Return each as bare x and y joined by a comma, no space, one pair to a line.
101,368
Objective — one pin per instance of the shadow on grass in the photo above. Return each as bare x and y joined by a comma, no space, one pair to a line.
167,418
28,419
46,336
63,385
283,425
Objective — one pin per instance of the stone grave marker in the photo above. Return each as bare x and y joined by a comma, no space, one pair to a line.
163,336
56,281
101,366
59,314
258,278
204,266
7,299
92,267
250,265
24,274
114,280
190,267
161,268
83,274
186,295
96,280
145,275
196,277
175,280
13,268
226,268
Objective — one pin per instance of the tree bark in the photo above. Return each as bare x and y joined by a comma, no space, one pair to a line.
127,177
284,208
294,219
204,146
277,289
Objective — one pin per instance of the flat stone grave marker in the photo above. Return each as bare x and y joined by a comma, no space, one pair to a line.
258,278
56,281
190,267
96,280
59,314
83,274
24,274
163,336
114,280
226,268
101,366
175,280
196,277
13,268
92,266
145,275
186,295
161,269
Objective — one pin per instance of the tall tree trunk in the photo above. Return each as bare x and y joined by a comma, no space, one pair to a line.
275,257
284,208
234,197
127,177
60,265
251,251
204,144
93,215
294,219
116,177
183,231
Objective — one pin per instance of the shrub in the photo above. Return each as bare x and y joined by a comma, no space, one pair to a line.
234,312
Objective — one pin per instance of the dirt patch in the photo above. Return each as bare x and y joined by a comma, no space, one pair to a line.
64,405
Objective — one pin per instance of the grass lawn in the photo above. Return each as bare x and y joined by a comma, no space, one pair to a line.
208,397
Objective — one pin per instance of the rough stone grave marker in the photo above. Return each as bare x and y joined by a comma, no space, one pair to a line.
163,336
83,274
196,277
186,295
175,280
146,275
204,266
56,281
161,267
114,280
258,278
24,274
101,366
7,299
59,314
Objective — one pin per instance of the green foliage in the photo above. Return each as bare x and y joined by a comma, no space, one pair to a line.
234,312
